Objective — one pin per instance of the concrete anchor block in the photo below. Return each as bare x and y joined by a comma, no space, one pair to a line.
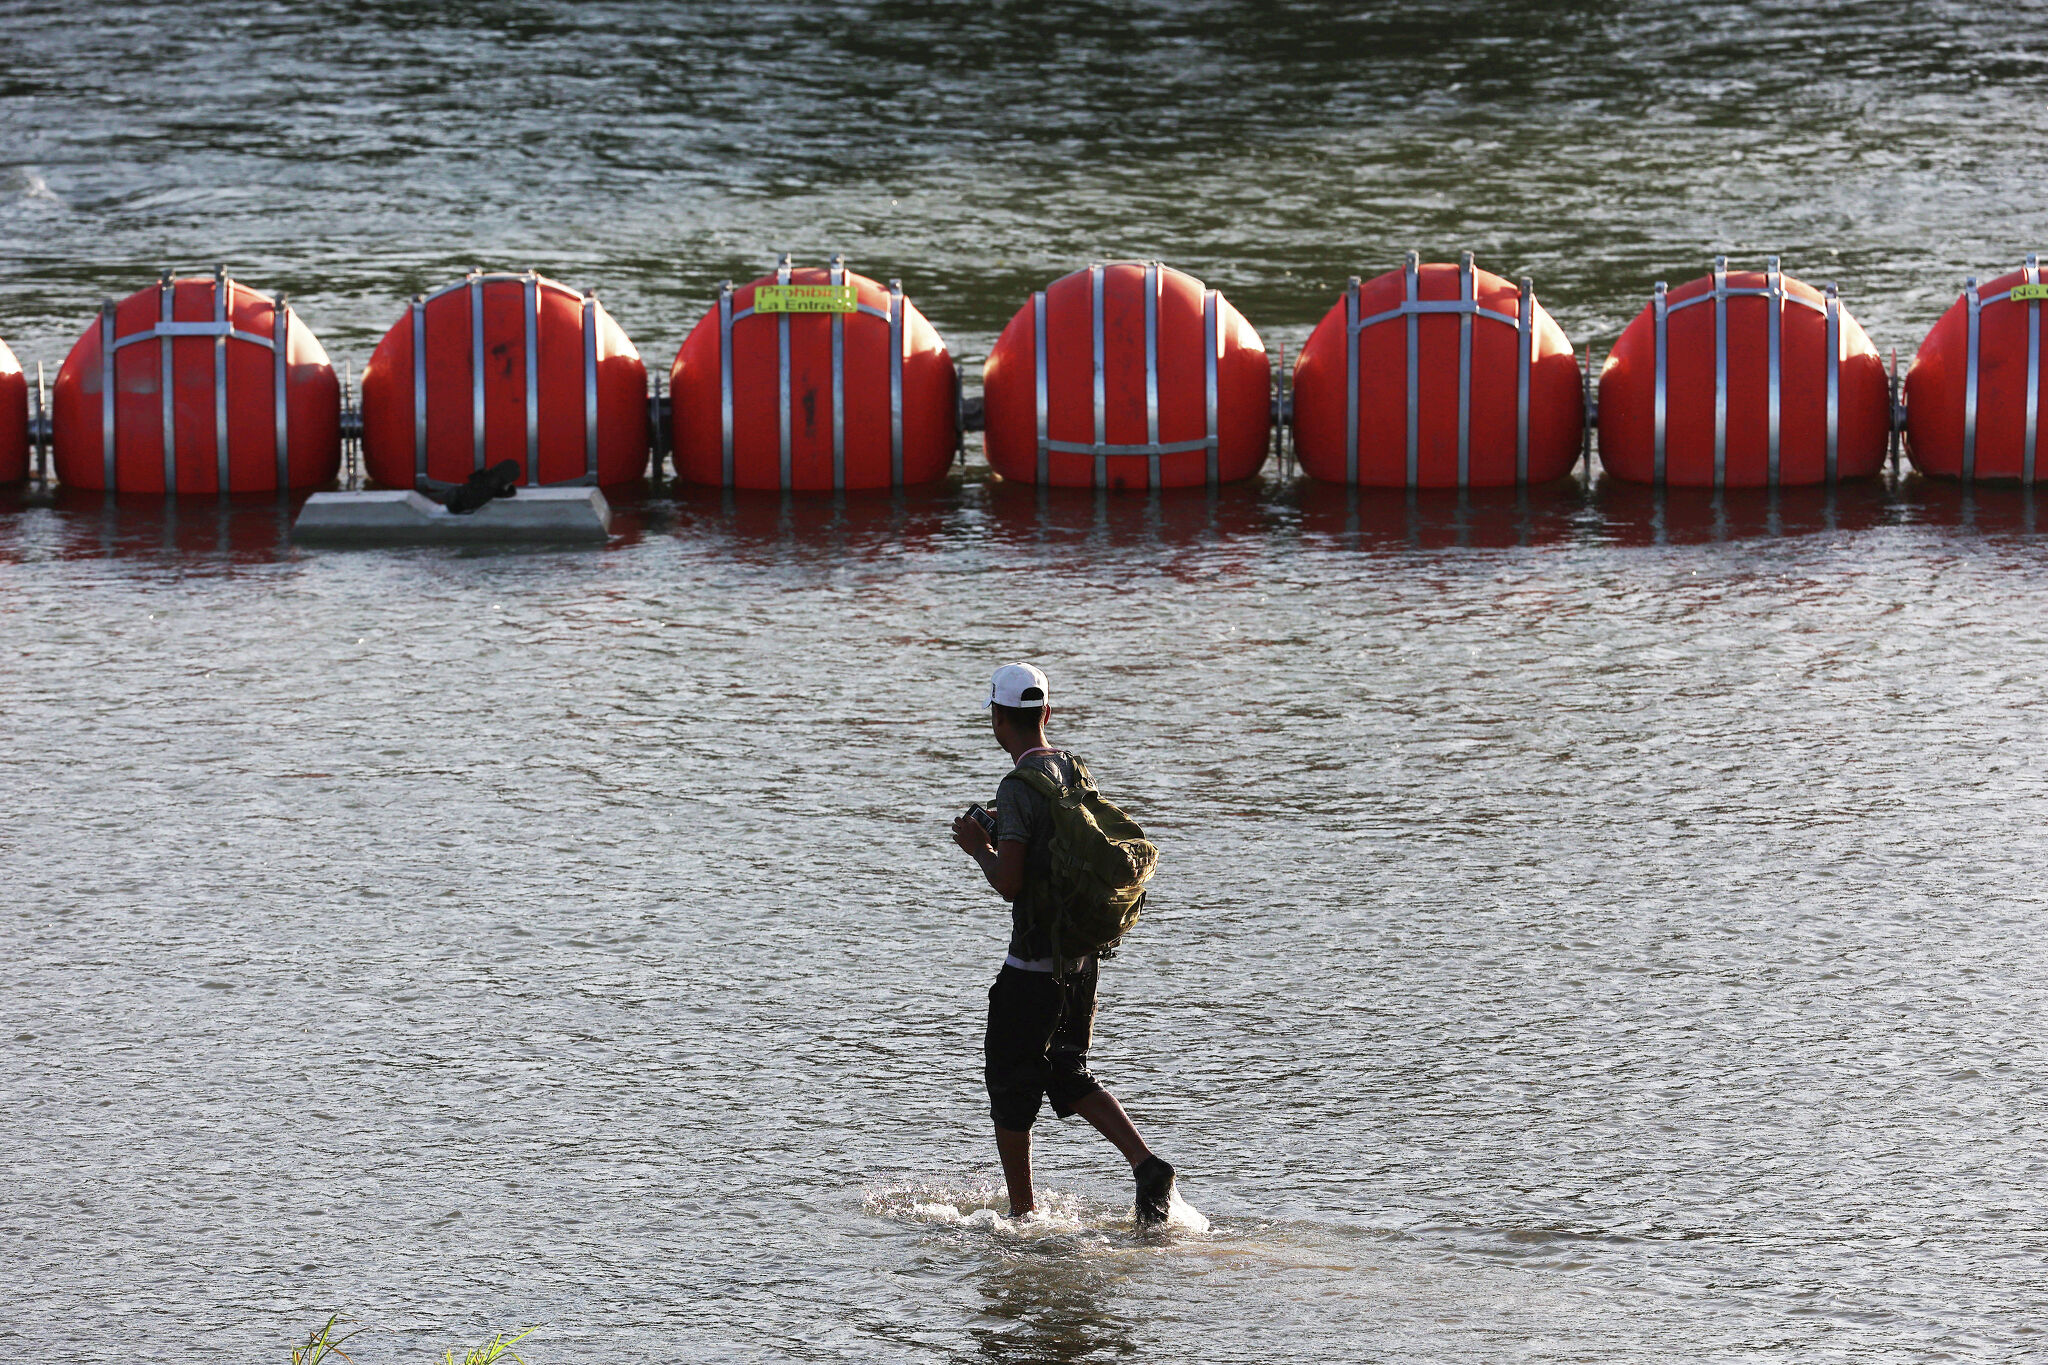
396,516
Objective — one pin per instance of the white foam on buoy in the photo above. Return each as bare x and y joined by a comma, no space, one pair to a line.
400,516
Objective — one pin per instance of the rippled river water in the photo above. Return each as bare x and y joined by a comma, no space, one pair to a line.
1591,927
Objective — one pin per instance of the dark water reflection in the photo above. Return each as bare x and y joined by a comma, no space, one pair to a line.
852,529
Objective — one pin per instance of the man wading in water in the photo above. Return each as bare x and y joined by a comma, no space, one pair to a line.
1040,1017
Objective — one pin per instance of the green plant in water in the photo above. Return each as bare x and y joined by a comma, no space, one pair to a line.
322,1343
499,1347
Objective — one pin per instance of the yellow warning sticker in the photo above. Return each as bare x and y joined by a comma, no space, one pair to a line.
807,298
2029,293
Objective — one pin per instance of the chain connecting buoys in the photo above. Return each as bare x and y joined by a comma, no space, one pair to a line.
814,379
13,418
196,386
1438,376
1132,375
1973,395
505,367
1744,380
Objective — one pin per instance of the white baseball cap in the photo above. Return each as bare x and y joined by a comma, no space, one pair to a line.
1019,685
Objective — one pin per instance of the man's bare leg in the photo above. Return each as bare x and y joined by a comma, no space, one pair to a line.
1015,1149
1154,1176
1101,1109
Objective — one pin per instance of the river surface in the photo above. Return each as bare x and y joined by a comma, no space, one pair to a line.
1591,926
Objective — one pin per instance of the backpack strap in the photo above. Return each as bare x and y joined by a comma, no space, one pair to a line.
1051,787
1040,781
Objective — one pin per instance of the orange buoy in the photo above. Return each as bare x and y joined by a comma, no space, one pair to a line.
1749,380
505,367
1132,375
1973,394
814,379
1438,376
196,386
13,418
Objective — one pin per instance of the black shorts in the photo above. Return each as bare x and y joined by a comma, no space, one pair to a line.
1036,1047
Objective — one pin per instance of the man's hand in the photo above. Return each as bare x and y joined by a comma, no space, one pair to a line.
972,838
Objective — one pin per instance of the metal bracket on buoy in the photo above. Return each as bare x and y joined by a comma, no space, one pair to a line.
39,427
1898,411
351,426
1282,415
660,416
1590,396
960,414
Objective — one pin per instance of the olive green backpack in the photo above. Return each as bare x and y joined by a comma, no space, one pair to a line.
1101,861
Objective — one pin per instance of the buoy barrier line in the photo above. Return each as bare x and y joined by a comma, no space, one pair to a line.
730,317
1981,390
1412,310
1102,449
1776,296
532,287
166,331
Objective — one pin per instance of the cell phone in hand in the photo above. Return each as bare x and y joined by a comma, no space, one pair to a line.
983,818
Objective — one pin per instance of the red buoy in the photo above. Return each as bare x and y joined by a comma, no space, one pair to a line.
505,367
13,418
1132,375
1749,380
814,379
196,386
1973,395
1438,376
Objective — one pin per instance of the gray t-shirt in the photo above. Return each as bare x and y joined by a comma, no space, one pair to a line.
1024,813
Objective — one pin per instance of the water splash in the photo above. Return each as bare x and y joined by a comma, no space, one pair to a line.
984,1208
